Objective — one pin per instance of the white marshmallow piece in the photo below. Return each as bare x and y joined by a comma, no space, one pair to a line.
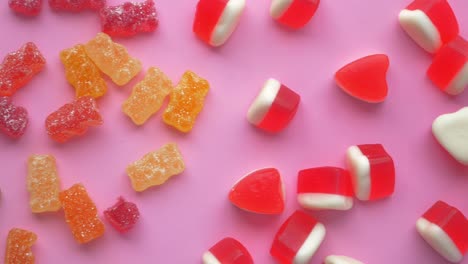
263,101
421,29
310,245
459,83
359,167
227,22
279,7
334,259
209,258
320,201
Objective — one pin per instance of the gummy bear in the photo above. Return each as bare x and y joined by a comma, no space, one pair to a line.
186,102
147,96
76,5
123,215
13,119
19,67
81,214
82,73
43,184
112,59
155,168
26,7
129,19
18,247
73,119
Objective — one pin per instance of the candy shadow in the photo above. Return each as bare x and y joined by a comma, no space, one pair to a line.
263,221
352,103
443,156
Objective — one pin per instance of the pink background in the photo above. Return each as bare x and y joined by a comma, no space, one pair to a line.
184,217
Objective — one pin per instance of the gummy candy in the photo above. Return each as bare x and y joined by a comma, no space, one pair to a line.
298,239
73,119
43,184
293,13
18,247
227,251
19,67
129,18
112,59
13,119
147,96
216,20
81,214
123,215
76,5
261,192
449,68
333,259
26,7
445,228
372,171
366,78
430,23
186,102
325,188
155,168
274,107
82,73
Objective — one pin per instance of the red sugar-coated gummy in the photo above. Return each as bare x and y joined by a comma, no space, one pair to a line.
123,215
76,5
129,19
26,7
13,119
19,67
228,251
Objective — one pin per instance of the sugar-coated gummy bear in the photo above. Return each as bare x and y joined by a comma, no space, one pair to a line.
186,102
13,119
82,73
19,247
274,107
155,168
81,214
73,119
430,23
216,20
365,78
147,96
129,18
123,215
76,5
26,7
325,188
445,229
293,13
227,251
19,67
43,184
298,239
112,59
334,259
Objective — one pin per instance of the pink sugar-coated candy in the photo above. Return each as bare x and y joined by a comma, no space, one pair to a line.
76,5
129,19
123,215
26,7
13,119
227,251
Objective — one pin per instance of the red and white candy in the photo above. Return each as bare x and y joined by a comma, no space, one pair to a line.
372,171
293,13
430,23
216,20
227,251
325,188
333,259
298,239
445,228
274,107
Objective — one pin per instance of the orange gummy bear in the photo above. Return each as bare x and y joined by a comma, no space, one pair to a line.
112,59
81,214
43,184
18,247
155,168
186,102
147,96
82,73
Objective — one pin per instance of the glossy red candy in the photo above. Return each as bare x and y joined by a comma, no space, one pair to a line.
76,5
227,251
293,13
123,215
26,7
13,119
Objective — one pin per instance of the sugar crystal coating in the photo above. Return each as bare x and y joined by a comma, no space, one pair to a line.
123,215
112,59
19,67
81,214
155,168
82,73
76,5
129,18
147,96
43,184
26,7
13,119
18,247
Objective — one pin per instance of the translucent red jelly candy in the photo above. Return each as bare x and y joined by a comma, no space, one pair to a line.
227,251
26,7
293,13
123,215
19,67
129,19
76,5
13,119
